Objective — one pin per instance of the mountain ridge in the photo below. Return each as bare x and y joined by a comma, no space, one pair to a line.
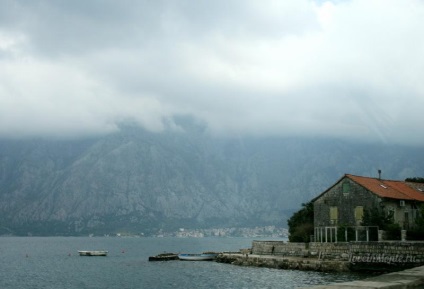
140,181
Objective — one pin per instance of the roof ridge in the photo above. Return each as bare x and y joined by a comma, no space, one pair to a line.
375,178
397,181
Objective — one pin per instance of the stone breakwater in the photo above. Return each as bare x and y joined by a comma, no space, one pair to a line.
410,278
280,262
330,257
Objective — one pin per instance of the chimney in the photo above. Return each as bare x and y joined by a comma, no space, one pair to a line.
379,174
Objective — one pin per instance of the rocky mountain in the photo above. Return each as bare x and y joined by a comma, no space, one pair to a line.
140,182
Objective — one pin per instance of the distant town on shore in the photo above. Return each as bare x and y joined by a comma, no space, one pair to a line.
266,231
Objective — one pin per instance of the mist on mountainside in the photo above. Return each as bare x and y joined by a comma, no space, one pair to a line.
141,182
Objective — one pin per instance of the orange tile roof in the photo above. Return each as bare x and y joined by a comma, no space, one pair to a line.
390,189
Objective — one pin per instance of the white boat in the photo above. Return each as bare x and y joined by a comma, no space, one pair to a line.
93,253
197,257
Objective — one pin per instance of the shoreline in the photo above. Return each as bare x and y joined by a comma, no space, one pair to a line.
283,262
408,278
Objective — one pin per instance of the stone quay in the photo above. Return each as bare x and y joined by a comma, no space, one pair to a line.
382,257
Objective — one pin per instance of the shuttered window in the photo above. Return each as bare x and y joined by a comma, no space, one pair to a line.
346,187
359,213
334,214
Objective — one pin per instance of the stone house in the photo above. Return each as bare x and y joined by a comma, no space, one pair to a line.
344,203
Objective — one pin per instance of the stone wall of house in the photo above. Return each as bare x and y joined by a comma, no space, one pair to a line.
345,195
404,214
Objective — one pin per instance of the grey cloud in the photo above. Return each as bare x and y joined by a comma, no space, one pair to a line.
60,27
250,67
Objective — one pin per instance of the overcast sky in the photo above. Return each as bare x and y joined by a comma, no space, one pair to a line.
350,69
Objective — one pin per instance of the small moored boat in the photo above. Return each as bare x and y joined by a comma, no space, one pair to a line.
198,257
164,257
93,253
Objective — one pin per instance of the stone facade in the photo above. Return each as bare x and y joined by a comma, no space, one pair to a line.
338,205
404,212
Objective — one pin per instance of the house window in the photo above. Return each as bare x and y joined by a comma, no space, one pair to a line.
406,220
359,214
391,213
414,212
345,188
334,215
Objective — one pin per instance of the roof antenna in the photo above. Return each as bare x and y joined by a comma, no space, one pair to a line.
379,174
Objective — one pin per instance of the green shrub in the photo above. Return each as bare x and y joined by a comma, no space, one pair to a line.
301,224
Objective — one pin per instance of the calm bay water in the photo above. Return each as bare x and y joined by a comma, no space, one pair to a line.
53,262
